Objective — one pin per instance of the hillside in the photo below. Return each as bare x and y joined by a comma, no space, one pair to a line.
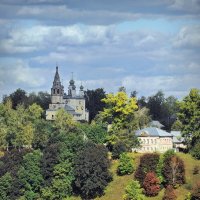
115,190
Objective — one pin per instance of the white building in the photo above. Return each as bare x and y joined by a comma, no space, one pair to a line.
153,139
72,102
178,141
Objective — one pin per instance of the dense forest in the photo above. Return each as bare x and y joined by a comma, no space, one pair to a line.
57,159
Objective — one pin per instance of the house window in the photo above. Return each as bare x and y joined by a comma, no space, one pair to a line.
147,141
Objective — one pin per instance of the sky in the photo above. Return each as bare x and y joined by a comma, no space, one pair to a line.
142,45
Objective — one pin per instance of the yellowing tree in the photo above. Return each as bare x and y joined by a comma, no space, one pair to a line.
119,109
64,121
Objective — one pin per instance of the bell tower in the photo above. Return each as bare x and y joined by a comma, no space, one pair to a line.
72,88
57,89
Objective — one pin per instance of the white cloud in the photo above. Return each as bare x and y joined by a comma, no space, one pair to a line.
173,84
188,36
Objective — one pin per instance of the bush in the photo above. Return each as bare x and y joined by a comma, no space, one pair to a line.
118,148
125,165
151,184
148,163
169,153
133,191
169,193
195,195
195,152
196,170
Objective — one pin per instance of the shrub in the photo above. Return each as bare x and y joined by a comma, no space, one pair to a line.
196,170
151,184
118,148
188,186
168,153
169,193
148,162
125,165
195,152
195,195
133,191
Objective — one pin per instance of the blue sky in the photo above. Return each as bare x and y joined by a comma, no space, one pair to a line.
142,45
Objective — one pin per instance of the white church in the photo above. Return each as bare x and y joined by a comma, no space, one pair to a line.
72,102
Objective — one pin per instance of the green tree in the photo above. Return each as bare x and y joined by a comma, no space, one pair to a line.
125,165
64,121
119,109
17,97
61,186
91,171
189,115
5,186
30,176
133,191
93,101
177,126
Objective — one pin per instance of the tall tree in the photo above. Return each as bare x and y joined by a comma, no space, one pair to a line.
91,171
189,115
93,101
119,109
30,176
17,97
173,171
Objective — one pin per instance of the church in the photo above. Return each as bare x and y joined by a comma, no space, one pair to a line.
71,102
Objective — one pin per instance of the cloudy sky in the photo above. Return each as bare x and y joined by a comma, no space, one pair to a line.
142,45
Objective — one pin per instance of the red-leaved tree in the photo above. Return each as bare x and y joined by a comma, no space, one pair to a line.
174,171
151,184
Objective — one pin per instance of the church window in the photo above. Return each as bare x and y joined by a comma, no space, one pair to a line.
76,107
58,91
54,91
52,116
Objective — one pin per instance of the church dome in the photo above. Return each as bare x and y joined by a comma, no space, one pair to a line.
81,87
71,82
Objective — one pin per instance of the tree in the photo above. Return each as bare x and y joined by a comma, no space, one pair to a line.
195,152
96,132
61,186
169,193
118,148
140,120
133,191
119,109
177,125
64,121
29,175
151,184
195,195
174,171
49,160
189,115
125,165
5,186
17,97
154,104
91,171
93,101
134,93
148,163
